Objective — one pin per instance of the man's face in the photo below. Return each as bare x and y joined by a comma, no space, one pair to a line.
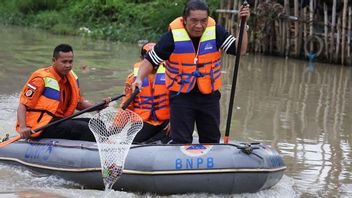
196,22
63,63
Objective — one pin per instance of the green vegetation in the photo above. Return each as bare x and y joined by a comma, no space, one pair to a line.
122,20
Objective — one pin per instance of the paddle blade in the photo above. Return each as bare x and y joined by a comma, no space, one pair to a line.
114,131
9,141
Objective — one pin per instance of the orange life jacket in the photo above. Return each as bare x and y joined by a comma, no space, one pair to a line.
152,103
48,102
185,65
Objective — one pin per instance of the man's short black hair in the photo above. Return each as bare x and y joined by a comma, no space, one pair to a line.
195,5
62,48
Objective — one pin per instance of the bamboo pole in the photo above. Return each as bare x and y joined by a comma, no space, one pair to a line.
332,33
254,35
255,6
296,30
288,29
311,19
338,40
305,28
343,26
221,14
271,39
280,36
227,16
224,15
288,36
326,31
300,32
349,34
233,17
230,17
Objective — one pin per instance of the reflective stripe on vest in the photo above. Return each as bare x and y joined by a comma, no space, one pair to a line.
185,65
52,89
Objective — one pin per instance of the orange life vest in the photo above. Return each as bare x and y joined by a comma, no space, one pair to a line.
186,66
152,103
48,102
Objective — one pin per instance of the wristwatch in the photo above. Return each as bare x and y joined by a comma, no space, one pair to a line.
246,27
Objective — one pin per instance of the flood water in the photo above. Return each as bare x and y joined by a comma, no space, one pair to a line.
302,110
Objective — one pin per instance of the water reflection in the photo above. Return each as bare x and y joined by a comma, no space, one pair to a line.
301,110
102,66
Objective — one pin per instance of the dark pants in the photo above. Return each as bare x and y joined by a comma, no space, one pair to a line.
150,133
194,107
74,129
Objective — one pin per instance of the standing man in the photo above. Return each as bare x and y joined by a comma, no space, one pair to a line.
53,93
191,50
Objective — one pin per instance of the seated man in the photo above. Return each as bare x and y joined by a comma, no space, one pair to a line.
50,94
152,104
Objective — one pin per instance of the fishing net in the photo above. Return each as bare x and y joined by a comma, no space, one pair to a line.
114,130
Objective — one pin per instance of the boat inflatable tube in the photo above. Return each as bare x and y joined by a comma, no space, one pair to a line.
160,169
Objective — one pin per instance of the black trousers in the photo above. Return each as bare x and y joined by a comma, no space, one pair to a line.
150,133
195,107
73,129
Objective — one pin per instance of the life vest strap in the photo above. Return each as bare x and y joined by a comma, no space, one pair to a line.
42,111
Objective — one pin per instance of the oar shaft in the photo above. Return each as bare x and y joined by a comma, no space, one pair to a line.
77,113
234,79
66,118
14,139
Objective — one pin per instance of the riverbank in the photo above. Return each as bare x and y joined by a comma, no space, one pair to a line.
123,20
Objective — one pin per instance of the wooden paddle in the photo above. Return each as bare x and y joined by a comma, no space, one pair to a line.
234,79
14,139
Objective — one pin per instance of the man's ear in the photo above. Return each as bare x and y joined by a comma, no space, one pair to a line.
53,59
184,20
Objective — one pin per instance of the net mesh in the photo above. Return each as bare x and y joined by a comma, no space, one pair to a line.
114,130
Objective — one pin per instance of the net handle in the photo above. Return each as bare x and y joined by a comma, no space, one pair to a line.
128,101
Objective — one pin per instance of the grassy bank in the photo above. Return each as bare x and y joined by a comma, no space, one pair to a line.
122,20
